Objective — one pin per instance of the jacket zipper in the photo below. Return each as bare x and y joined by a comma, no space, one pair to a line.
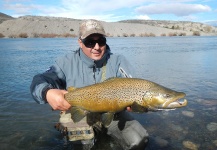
94,73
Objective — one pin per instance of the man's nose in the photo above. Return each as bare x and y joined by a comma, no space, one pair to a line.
96,46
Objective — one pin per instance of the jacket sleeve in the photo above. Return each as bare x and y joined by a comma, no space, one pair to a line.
52,78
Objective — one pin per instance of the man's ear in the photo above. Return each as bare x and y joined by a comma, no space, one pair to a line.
80,43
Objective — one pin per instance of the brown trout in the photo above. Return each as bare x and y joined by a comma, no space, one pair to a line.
115,94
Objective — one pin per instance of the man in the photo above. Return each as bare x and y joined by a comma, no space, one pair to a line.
92,63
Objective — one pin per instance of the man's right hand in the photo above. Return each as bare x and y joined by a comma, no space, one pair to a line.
55,97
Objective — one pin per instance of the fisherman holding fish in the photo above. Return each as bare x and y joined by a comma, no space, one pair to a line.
93,62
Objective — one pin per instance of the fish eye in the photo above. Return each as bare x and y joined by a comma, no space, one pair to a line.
167,95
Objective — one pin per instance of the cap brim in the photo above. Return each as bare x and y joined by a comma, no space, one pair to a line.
92,32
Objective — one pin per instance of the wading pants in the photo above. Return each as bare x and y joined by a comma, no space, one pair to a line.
129,133
126,131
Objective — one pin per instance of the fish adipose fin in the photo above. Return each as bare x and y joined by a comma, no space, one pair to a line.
77,114
107,118
138,108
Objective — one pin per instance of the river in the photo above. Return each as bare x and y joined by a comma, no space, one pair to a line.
186,64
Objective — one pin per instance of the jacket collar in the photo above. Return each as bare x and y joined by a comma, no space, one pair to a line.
90,62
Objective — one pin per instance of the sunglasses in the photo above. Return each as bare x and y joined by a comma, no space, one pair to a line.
90,43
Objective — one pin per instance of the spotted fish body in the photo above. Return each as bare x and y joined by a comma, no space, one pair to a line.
115,94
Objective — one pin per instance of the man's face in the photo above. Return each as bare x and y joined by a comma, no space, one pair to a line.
94,46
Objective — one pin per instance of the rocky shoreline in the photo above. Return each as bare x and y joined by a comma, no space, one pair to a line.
48,27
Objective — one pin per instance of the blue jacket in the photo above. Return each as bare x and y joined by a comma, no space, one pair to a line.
77,70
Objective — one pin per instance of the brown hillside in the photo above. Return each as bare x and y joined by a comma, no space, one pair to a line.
4,17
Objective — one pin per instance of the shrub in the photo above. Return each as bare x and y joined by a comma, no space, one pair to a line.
182,34
152,35
132,35
125,35
172,34
23,35
108,34
163,34
213,31
68,35
196,33
141,35
207,28
144,35
1,35
36,35
47,35
177,27
12,36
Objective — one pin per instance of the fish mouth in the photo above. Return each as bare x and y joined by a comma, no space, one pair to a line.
176,102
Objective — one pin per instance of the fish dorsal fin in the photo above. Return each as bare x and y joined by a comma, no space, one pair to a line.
110,79
107,118
138,108
77,114
71,88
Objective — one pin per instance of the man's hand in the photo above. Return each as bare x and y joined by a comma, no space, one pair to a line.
55,97
129,109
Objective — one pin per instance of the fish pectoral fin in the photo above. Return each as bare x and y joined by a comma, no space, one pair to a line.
138,108
77,114
70,89
106,118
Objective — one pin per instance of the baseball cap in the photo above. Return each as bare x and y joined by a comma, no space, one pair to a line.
89,27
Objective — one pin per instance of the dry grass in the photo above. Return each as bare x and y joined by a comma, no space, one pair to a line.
147,35
13,36
66,35
23,35
2,35
48,35
53,35
172,34
42,35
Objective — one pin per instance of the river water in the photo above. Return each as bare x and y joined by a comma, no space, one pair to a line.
186,64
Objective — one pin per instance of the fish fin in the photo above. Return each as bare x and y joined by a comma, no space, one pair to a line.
93,118
71,88
138,108
77,114
107,118
110,79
